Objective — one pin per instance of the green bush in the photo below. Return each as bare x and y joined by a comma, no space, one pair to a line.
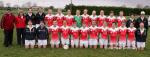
116,10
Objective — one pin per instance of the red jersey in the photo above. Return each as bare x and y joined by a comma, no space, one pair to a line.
65,32
110,20
69,19
120,20
93,18
93,32
54,32
113,34
84,33
122,33
75,32
59,18
49,19
131,34
104,32
20,22
101,20
85,19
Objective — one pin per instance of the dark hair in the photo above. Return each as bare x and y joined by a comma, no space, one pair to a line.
8,9
30,8
20,12
111,11
30,21
42,22
132,14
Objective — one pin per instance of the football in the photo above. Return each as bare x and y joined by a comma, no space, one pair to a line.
65,47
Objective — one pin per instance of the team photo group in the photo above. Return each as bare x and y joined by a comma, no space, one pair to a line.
75,31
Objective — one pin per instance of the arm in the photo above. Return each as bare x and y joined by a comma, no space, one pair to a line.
2,22
47,34
146,24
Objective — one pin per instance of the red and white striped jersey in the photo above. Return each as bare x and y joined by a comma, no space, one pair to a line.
75,32
69,19
59,18
113,34
49,19
85,19
120,20
93,32
131,33
110,20
84,33
54,32
122,33
65,31
101,20
93,18
104,32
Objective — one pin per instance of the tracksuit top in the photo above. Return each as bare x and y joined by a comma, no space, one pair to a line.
30,34
42,33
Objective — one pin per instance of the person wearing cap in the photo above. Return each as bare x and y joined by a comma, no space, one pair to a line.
142,19
20,26
7,23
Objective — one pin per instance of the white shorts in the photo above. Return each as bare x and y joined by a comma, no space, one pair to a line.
64,41
75,42
37,25
52,42
130,43
29,42
93,42
140,44
122,43
84,43
103,41
113,43
42,42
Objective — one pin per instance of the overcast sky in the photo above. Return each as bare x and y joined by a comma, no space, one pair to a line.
62,3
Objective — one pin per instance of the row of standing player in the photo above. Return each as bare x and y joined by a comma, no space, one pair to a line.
85,18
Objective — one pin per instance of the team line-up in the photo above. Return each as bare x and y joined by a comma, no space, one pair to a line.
81,31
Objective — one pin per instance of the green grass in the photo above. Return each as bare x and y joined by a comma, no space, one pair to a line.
17,51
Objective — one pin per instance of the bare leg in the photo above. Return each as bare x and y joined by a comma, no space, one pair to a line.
95,46
57,46
32,46
26,46
44,46
39,46
101,46
90,46
52,46
72,46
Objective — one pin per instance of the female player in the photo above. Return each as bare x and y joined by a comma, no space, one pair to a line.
54,35
84,36
131,36
122,36
30,34
103,41
65,33
93,41
74,36
113,32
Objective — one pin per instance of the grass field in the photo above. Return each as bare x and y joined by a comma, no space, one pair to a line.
17,51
